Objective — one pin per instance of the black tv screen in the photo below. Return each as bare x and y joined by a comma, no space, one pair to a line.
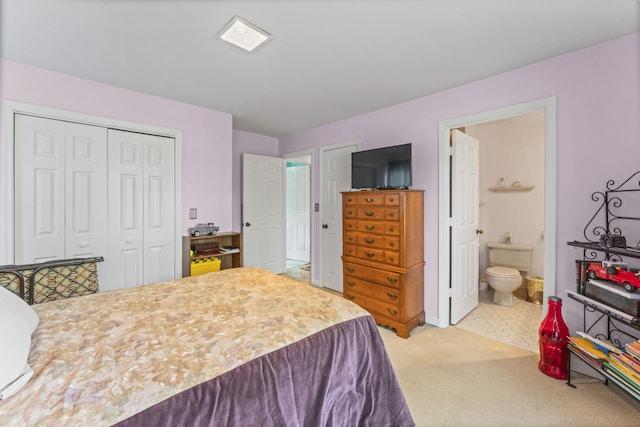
381,168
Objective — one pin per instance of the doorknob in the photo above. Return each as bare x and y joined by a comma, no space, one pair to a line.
247,224
478,231
325,225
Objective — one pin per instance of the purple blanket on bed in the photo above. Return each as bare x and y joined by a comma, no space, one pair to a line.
340,376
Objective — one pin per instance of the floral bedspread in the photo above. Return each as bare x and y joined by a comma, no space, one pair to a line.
100,358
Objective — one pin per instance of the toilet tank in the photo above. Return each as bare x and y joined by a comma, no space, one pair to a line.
510,255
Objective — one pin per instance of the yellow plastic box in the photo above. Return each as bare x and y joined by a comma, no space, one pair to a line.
204,265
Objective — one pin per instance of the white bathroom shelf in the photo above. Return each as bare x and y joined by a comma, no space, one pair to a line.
510,189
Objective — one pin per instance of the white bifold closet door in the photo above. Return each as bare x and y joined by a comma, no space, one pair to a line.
60,190
141,208
83,191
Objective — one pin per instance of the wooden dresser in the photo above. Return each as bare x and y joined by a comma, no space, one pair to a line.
383,255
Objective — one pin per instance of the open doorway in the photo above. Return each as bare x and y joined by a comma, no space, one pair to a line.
446,289
298,215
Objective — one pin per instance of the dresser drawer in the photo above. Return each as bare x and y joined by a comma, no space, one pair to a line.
375,306
350,225
390,296
370,254
350,250
365,199
363,212
386,278
392,199
350,238
392,258
378,227
370,240
392,214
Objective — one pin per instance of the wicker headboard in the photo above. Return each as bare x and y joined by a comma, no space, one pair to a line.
51,280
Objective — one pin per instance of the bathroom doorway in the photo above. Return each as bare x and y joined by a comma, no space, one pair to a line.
546,107
298,215
511,210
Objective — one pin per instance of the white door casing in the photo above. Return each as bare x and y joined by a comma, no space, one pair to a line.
140,212
263,212
298,212
336,177
465,220
61,181
548,105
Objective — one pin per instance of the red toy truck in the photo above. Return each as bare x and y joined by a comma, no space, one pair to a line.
617,272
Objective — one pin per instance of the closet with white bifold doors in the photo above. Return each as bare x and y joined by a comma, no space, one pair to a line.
82,190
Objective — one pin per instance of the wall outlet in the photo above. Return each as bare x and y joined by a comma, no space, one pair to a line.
193,213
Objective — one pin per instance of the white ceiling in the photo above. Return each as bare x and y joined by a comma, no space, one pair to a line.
329,60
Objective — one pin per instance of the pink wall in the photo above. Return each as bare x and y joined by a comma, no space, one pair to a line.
206,134
245,142
598,106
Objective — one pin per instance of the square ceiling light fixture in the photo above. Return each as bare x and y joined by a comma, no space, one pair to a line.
243,34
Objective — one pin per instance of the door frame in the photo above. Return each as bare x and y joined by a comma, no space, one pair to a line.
10,108
321,241
548,105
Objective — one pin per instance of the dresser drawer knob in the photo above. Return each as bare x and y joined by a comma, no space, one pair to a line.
369,227
391,259
370,254
369,241
369,200
391,245
369,213
392,312
391,230
350,283
351,297
390,215
392,296
350,269
392,279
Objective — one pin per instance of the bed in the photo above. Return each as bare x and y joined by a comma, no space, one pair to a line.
238,347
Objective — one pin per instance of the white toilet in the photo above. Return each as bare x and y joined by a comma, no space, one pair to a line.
506,262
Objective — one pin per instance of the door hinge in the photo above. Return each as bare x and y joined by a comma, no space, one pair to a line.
451,293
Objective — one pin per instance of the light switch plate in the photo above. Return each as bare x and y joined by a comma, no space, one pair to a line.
193,213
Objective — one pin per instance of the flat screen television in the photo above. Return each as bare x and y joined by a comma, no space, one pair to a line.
382,168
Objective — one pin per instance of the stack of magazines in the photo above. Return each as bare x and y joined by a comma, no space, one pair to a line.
621,363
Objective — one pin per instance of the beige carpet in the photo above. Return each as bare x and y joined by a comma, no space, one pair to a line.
452,377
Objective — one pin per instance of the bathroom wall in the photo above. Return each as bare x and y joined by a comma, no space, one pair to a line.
514,149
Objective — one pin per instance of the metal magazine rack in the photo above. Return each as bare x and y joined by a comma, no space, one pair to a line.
51,280
613,232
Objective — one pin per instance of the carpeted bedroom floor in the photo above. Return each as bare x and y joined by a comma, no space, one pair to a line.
451,377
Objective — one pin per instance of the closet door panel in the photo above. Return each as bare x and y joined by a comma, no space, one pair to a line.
125,217
61,180
86,192
159,195
39,189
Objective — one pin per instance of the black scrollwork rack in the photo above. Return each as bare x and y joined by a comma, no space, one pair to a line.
617,211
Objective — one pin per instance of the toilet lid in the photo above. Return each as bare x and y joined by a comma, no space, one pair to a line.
503,272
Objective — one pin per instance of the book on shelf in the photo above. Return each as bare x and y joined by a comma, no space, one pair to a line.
623,372
628,361
588,347
604,346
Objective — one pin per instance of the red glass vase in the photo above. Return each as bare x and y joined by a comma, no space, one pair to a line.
554,335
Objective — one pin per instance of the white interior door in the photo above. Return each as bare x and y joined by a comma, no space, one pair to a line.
298,213
263,212
61,183
336,177
465,225
141,220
